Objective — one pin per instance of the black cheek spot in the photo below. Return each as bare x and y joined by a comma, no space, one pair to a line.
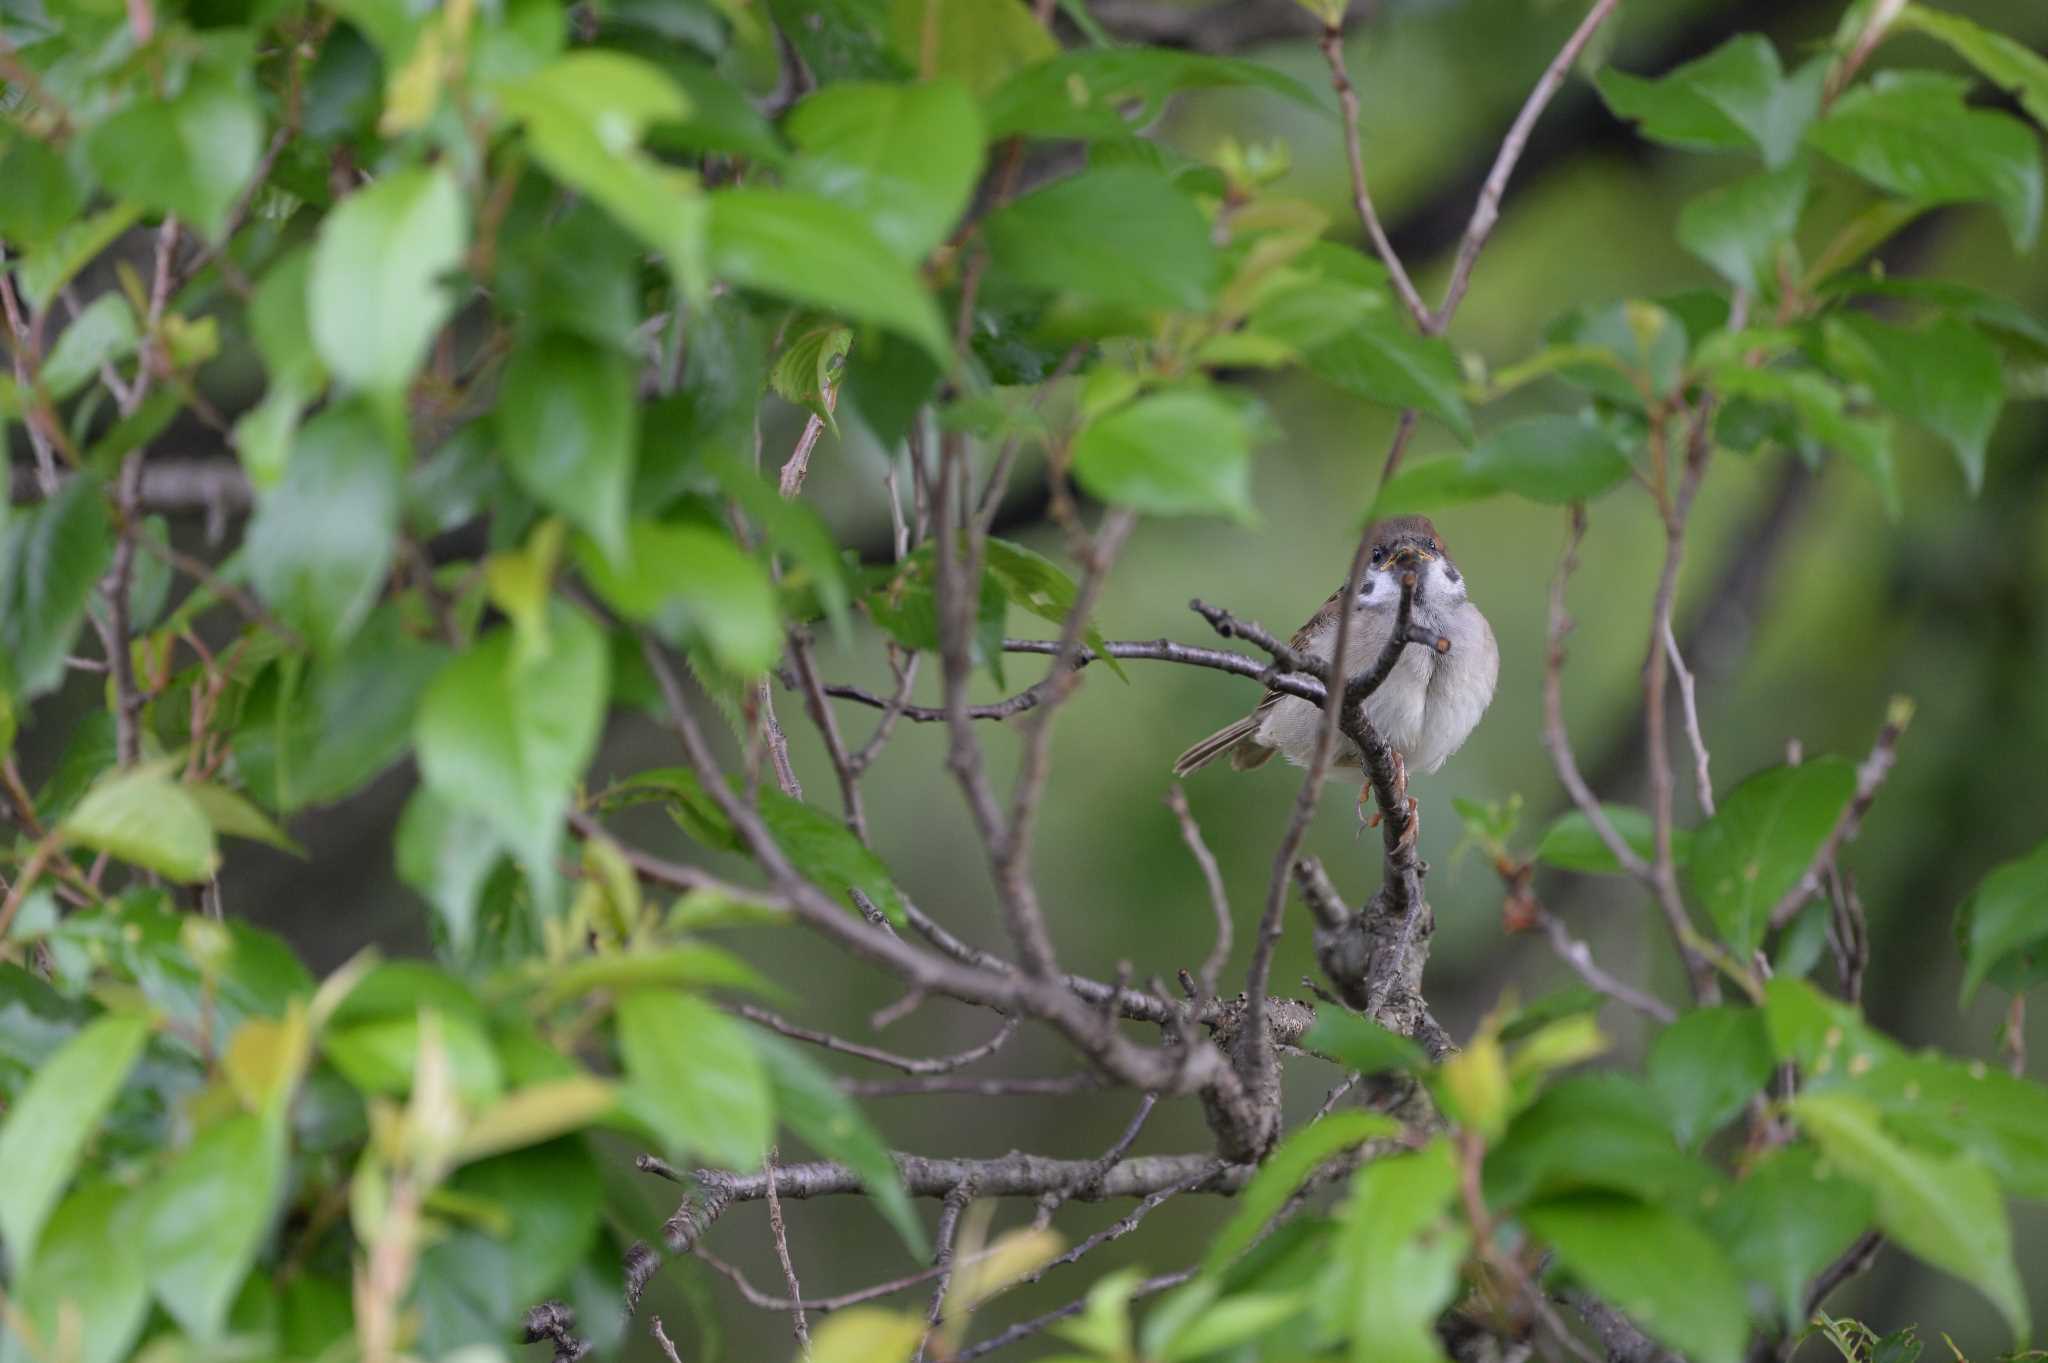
1452,573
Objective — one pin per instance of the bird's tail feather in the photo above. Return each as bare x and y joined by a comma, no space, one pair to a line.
1217,744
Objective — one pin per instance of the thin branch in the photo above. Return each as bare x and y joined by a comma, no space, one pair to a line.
827,725
1024,700
1272,677
668,1346
1869,778
1212,876
941,1064
1027,1328
1487,211
799,1327
1579,957
115,626
1332,43
198,570
924,1086
1703,781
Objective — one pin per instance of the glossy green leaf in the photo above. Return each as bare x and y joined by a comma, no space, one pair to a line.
822,847
1112,92
1379,358
1946,1209
1394,1262
1624,351
233,816
1572,844
203,1219
1550,458
980,42
380,1054
569,425
377,295
2005,919
694,1077
320,545
901,158
1593,1131
508,740
1760,842
347,718
43,196
102,333
2005,62
1120,235
142,816
1739,228
1235,1320
690,582
809,1103
1909,132
1819,407
49,1124
1430,485
1706,1065
1033,581
808,250
1966,1106
1179,453
87,1275
1786,1220
61,257
191,155
446,854
1737,97
1360,1043
1657,1267
1291,1162
50,560
1945,376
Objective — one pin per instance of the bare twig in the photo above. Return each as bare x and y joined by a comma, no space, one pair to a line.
1702,780
1579,957
941,1064
1332,43
799,1327
667,1345
1487,212
1212,876
923,1086
114,627
1026,1328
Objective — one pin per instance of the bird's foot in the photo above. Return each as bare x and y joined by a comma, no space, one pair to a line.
1414,828
1366,818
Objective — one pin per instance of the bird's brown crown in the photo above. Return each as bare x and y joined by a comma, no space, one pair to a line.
1397,532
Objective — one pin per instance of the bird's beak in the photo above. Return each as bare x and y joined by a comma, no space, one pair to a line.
1411,555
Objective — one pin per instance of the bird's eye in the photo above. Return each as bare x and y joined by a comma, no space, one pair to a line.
1379,556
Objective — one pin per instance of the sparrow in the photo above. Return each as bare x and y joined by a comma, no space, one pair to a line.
1427,706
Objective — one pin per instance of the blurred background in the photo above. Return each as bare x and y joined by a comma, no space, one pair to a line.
1803,609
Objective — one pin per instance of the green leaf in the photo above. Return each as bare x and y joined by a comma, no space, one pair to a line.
1177,453
1292,1161
377,295
1657,1267
1033,581
43,196
1910,133
347,720
810,1104
446,854
1361,1043
690,581
142,816
809,367
1380,359
1617,350
1232,1321
50,560
693,965
1945,376
584,115
203,1219
694,1077
103,333
508,740
1760,842
867,1334
1739,228
2005,62
1734,98
190,155
1952,1105
807,249
49,269
1109,93
902,158
1945,1209
1706,1065
2005,918
1430,485
1593,1131
1571,844
320,545
1120,235
543,1205
233,816
825,850
87,1274
1550,458
1786,1220
1394,1265
1819,406
979,41
569,425
51,1120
